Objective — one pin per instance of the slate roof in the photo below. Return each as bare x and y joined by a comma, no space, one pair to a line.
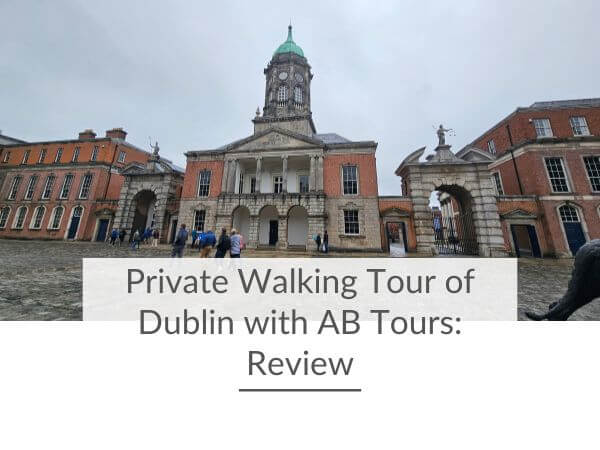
584,102
331,138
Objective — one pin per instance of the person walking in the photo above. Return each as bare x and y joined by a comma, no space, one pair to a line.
179,243
155,238
318,241
223,245
325,242
208,242
136,240
236,244
194,237
122,234
114,234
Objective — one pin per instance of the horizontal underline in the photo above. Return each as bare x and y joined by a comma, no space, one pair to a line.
299,390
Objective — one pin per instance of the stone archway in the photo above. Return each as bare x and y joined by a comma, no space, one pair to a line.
469,181
240,220
297,226
268,226
143,206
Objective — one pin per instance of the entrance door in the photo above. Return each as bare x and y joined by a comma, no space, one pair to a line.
102,228
273,232
396,239
526,242
573,229
75,222
173,231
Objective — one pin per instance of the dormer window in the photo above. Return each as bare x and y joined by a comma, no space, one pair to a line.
121,157
579,126
542,127
298,94
491,146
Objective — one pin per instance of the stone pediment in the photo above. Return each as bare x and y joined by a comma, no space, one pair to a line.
152,167
474,154
518,214
274,138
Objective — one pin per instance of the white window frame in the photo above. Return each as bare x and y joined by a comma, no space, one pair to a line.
202,185
241,183
253,185
498,181
357,222
17,217
491,145
14,187
26,156
565,172
198,212
353,194
94,155
122,156
4,220
76,152
579,129
90,177
542,121
282,93
34,218
298,95
58,156
50,178
62,194
42,156
589,175
6,156
30,187
53,218
300,175
275,183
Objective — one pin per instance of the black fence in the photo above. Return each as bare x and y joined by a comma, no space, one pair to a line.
455,235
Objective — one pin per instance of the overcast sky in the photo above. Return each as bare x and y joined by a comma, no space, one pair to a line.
190,74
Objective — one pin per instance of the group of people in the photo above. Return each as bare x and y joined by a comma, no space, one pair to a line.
117,237
207,241
322,244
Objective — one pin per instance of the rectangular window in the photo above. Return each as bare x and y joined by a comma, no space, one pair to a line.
579,126
30,187
491,147
94,156
350,180
252,185
121,157
351,221
4,213
48,187
199,217
58,212
86,183
498,183
303,183
592,166
278,184
39,215
556,173
42,156
58,155
66,188
21,213
14,187
241,184
26,156
75,154
542,127
6,157
204,183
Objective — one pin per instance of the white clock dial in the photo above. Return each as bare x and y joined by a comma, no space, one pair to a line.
283,75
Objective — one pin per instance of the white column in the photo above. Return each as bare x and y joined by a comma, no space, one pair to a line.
232,173
285,161
258,173
319,182
225,173
311,177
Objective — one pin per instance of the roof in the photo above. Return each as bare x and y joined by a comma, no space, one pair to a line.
331,138
580,103
289,46
10,140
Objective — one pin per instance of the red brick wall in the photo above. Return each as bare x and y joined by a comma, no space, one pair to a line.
367,173
190,183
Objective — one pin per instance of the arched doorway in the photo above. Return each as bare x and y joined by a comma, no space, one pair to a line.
144,216
76,215
396,238
452,221
241,221
297,226
572,226
268,229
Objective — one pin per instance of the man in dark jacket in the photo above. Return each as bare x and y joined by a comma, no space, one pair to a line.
208,241
179,243
223,245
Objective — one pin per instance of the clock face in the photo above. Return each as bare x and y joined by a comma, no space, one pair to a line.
283,75
299,78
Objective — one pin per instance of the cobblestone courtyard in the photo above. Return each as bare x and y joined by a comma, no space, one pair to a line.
42,280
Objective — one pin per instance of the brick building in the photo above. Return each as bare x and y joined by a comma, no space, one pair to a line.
547,175
65,189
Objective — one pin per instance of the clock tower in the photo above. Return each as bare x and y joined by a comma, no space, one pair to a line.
287,91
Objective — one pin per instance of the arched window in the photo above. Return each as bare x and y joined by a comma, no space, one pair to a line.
20,218
36,219
282,94
57,213
568,214
4,213
298,94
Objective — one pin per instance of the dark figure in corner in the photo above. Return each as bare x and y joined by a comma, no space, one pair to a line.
583,287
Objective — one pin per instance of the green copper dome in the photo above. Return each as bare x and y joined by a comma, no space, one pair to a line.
289,46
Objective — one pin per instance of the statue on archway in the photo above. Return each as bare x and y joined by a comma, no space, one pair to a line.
155,149
441,133
584,285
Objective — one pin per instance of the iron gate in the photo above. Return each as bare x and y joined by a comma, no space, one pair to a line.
455,235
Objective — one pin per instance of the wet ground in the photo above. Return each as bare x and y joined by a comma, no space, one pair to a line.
41,280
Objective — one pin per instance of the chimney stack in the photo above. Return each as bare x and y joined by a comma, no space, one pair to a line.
116,133
87,134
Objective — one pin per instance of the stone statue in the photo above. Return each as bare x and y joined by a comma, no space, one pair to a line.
155,149
584,285
441,132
